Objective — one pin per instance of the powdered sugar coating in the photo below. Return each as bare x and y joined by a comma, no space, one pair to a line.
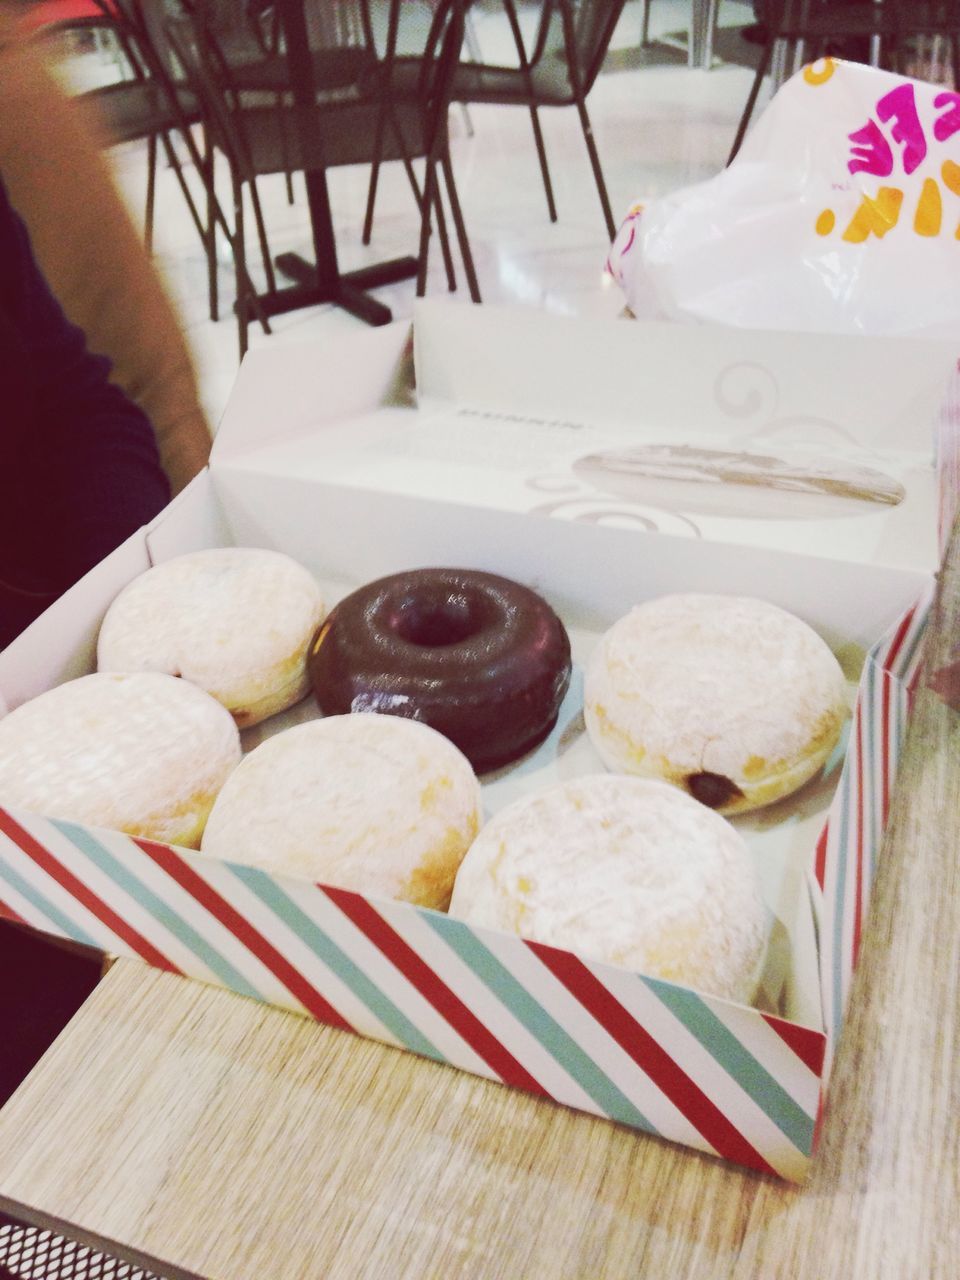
237,621
623,870
375,803
141,753
727,685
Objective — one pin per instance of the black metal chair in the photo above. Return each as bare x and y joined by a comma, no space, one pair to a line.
341,129
560,71
821,26
140,25
250,39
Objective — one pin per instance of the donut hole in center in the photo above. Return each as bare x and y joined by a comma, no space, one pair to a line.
432,623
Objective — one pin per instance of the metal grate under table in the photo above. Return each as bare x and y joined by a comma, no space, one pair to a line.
31,1253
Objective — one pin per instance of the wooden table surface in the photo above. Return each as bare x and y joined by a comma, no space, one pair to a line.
239,1142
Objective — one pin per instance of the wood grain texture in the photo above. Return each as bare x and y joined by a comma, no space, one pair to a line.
241,1142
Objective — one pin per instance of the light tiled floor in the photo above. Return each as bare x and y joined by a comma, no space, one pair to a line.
659,126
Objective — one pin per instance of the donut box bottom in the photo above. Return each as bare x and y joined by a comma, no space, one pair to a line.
746,1084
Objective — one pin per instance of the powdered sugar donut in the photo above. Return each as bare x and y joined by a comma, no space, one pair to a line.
375,803
731,698
623,870
141,753
236,621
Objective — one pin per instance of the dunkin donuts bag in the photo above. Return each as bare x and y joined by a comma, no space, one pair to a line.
841,214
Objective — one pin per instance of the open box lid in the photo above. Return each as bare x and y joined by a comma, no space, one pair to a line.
790,441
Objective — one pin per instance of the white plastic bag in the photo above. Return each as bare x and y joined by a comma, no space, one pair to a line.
840,214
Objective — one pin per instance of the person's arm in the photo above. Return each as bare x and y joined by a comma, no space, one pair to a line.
83,467
56,173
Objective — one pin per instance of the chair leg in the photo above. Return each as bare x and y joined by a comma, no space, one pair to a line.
204,164
431,200
374,176
151,192
240,265
393,26
444,239
177,168
752,99
645,25
429,190
371,201
375,167
460,227
409,169
235,239
287,171
262,236
542,157
595,165
208,163
709,33
524,66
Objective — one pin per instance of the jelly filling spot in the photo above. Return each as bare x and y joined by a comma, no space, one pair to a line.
712,789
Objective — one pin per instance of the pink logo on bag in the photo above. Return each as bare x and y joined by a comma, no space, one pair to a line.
902,144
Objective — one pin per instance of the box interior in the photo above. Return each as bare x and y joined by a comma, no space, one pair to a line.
354,480
345,546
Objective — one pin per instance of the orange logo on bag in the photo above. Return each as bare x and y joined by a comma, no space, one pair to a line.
826,222
819,72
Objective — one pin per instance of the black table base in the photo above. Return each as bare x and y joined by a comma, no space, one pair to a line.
348,292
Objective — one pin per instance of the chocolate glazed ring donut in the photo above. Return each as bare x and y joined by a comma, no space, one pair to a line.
483,660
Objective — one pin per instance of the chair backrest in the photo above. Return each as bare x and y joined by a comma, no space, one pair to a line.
576,32
201,63
141,27
209,74
243,32
251,28
593,26
796,19
434,37
926,17
438,64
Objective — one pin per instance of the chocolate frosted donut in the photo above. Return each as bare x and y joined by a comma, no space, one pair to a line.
482,659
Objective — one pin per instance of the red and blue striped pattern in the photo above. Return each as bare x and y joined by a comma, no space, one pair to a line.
848,847
729,1080
717,1076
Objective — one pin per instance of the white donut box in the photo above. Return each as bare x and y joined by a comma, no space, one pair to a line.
326,453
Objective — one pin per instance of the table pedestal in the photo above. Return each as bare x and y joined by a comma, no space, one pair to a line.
348,291
323,283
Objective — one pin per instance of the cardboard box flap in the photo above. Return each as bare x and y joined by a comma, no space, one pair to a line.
880,392
283,393
794,442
